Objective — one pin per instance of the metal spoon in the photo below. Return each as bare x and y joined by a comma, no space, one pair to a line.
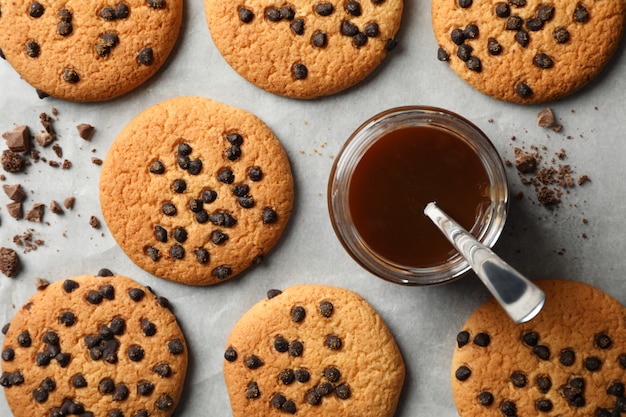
519,297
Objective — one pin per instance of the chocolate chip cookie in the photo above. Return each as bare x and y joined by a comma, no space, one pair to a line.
527,51
569,360
313,350
88,51
303,48
94,346
196,191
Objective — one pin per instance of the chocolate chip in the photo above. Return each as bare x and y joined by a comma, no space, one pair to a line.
514,23
246,202
287,376
371,30
313,397
40,395
297,314
145,388
23,339
241,190
222,272
518,379
471,31
36,9
175,346
319,39
120,393
5,328
67,318
202,255
324,9
70,75
616,389
302,375
485,398
107,13
148,328
360,39
32,48
287,13
464,52
107,292
136,294
543,383
183,161
180,234
164,402
146,56
343,391
135,353
523,90
277,400
465,3
8,354
157,167
245,15
494,47
273,15
543,61
168,209
542,352
253,362
299,71
64,29
226,176
51,338
218,237
442,55
195,167
502,10
255,174
296,348
231,354
106,386
508,408
69,285
94,297
534,24
462,373
208,196
581,14
117,326
326,308
561,35
522,37
333,342
518,3
545,13
332,374
297,26
592,363
289,407
281,344
163,370
603,341
121,11
156,4
160,234
269,215
462,338
179,186
544,405
234,139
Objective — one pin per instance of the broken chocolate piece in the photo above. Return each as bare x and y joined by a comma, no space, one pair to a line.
85,131
18,139
14,192
35,214
545,118
15,210
68,203
56,207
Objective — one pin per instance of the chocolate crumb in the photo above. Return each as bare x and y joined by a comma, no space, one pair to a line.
41,283
94,222
44,139
57,150
35,214
9,262
545,118
14,192
85,131
68,203
56,207
18,139
96,161
525,161
583,179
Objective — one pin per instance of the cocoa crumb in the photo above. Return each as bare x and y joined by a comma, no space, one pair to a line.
548,196
41,284
35,214
11,161
27,241
9,262
94,222
68,203
46,122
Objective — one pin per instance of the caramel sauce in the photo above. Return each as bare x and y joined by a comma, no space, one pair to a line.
395,179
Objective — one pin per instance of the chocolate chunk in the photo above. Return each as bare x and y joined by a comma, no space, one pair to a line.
35,214
277,400
485,398
462,373
319,39
202,255
11,161
15,209
297,314
518,379
281,344
163,370
222,272
253,362
567,357
245,15
603,341
508,408
542,352
86,131
36,9
581,14
502,10
296,347
146,56
56,208
482,340
302,375
465,3
324,9
287,376
68,203
299,71
326,308
9,262
70,75
297,26
94,222
44,139
175,346
543,61
67,318
136,294
592,363
231,354
14,192
523,90
561,35
333,342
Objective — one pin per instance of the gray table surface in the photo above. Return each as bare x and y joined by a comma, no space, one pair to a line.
539,242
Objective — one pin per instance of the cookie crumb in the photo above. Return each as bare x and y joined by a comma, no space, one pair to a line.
545,118
524,161
57,150
41,283
94,222
56,207
35,214
85,131
9,262
11,161
583,179
68,203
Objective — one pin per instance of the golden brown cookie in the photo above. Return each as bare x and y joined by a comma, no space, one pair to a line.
570,360
527,51
304,49
313,350
195,191
94,346
88,50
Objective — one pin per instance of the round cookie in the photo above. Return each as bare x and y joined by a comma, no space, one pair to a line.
304,49
569,360
195,191
94,346
313,350
88,50
527,51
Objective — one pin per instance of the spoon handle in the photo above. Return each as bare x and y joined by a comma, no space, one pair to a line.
519,297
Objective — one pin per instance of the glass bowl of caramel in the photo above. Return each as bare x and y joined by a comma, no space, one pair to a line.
390,168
